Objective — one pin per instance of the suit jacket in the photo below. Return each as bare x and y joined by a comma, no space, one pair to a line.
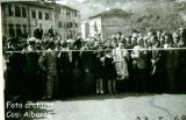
169,57
140,58
32,61
156,54
48,62
38,33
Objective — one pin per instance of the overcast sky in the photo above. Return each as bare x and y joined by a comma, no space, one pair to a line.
69,1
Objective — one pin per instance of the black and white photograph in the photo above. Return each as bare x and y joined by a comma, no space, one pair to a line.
93,59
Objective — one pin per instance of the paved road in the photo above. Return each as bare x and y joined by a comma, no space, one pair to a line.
118,107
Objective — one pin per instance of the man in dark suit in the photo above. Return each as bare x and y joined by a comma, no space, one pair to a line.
51,32
157,81
141,63
32,71
48,63
38,32
182,61
169,64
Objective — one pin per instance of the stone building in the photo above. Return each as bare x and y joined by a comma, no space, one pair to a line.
23,17
109,22
68,21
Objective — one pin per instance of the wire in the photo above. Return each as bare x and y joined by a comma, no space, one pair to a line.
157,49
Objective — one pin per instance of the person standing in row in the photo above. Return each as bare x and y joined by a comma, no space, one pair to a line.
141,62
169,63
110,71
38,32
121,58
48,63
157,82
32,71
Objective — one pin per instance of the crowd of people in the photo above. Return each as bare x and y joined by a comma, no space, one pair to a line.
49,67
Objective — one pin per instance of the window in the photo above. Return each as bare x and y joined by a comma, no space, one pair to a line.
18,30
10,12
24,12
47,16
70,24
75,14
64,25
40,15
60,24
33,14
76,25
17,11
11,30
68,13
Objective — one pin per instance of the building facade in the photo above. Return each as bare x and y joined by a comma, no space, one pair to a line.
109,22
21,18
68,21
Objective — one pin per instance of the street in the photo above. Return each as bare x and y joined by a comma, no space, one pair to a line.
119,107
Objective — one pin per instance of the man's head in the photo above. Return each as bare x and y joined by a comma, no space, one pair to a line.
154,40
182,32
32,41
168,38
118,35
162,40
159,32
175,37
140,41
133,40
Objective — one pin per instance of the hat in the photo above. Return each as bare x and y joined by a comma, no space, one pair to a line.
38,41
175,35
181,28
134,35
32,40
140,39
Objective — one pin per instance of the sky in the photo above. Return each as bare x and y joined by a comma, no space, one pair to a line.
68,1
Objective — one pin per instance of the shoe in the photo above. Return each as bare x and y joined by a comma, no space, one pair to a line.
97,91
102,92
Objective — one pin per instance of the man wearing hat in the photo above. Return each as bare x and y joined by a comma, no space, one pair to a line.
157,80
38,32
32,70
51,32
141,65
181,61
48,63
169,63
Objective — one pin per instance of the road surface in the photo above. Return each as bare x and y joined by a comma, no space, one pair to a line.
114,107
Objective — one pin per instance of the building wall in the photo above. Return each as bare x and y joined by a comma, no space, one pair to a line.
113,24
26,23
65,22
95,26
12,22
45,21
109,25
85,29
68,22
2,19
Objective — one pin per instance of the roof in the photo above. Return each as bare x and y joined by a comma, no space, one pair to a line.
30,2
60,5
38,3
118,12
